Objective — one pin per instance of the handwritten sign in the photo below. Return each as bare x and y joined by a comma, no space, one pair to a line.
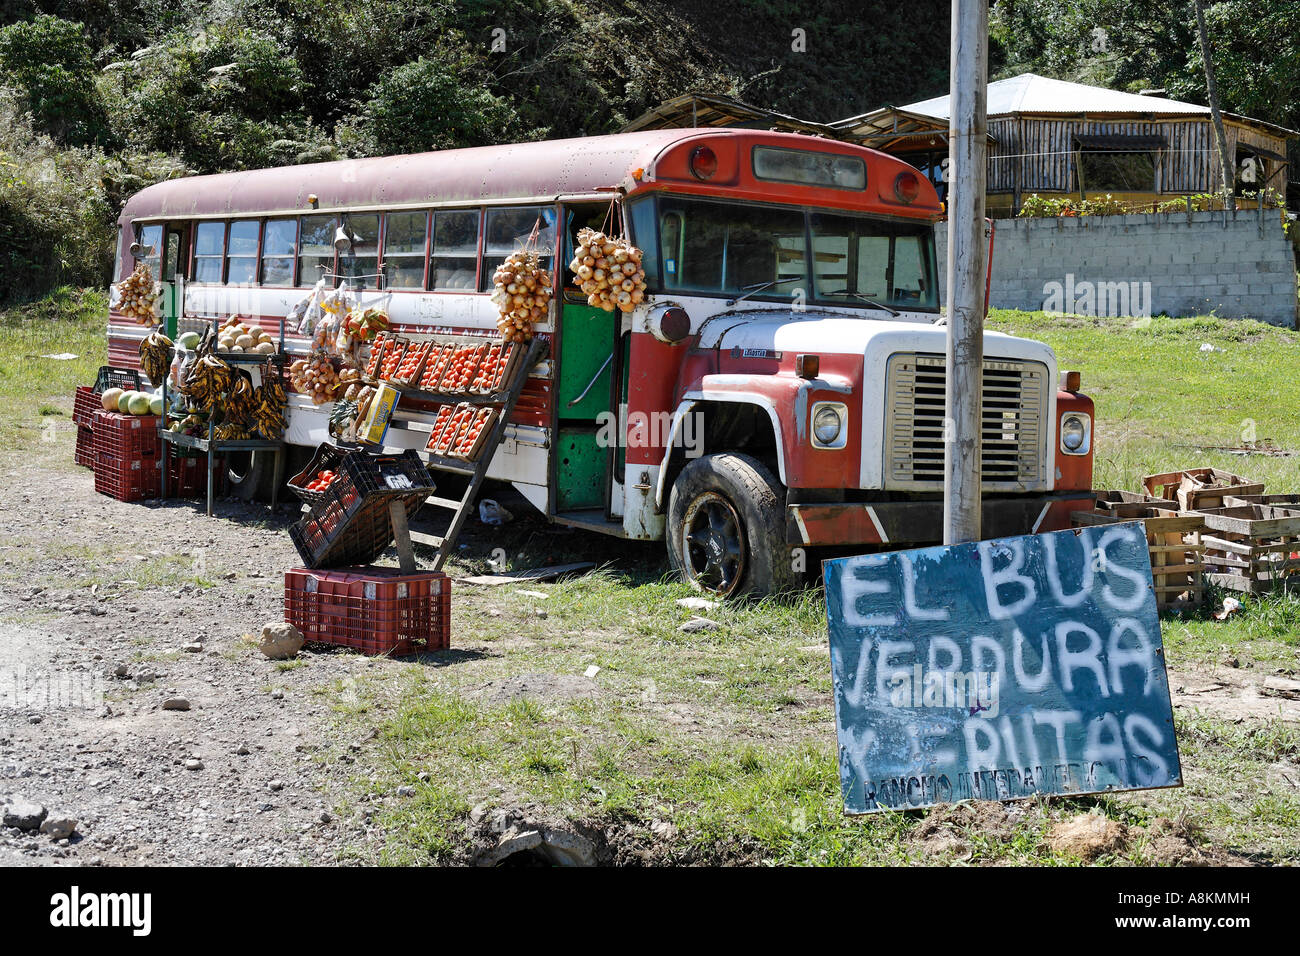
999,669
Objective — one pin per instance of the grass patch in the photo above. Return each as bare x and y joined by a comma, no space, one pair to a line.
36,388
1161,400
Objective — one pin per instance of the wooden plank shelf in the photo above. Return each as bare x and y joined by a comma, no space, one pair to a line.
475,471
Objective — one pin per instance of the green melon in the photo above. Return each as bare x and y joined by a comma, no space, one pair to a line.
190,341
140,404
124,401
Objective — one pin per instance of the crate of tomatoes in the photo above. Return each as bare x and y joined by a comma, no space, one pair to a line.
461,431
307,483
349,493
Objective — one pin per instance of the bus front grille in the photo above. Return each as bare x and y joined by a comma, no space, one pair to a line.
1013,409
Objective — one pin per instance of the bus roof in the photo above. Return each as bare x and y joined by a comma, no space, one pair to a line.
520,171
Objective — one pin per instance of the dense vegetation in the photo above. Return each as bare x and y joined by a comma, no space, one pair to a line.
99,97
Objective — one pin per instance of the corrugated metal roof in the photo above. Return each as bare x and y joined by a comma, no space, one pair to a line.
706,109
1032,94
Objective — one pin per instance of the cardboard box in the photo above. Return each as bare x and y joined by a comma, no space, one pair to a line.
374,426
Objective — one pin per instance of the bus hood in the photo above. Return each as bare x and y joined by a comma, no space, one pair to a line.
837,334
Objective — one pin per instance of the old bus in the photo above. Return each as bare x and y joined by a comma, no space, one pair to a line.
780,388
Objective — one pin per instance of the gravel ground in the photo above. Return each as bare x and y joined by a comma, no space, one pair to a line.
107,614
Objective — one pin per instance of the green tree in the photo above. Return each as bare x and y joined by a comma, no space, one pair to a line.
225,97
49,61
429,104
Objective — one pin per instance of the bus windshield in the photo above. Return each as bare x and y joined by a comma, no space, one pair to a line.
764,252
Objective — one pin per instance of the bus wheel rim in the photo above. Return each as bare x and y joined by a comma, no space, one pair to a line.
713,544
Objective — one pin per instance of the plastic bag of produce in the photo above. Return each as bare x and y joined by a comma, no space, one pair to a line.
306,313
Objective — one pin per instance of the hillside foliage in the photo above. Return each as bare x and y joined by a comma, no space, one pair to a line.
99,97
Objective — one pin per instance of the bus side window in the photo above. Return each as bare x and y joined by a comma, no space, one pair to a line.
359,261
507,230
278,246
315,249
241,268
406,244
209,251
453,258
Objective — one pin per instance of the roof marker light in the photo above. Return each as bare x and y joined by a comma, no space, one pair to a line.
704,162
907,187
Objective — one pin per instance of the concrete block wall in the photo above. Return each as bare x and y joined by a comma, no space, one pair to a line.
1144,264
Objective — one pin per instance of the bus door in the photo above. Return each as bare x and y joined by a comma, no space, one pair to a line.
589,365
175,263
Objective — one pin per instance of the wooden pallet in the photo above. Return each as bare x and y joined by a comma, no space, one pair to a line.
1252,548
1175,544
1131,504
1291,501
1198,489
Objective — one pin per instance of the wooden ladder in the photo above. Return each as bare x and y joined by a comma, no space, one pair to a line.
475,471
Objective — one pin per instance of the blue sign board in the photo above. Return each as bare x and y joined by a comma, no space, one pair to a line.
999,669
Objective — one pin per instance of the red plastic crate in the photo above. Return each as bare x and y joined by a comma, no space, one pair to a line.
127,480
84,405
85,454
126,437
187,475
372,610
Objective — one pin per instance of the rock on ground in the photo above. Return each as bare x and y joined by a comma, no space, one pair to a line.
280,641
24,814
59,828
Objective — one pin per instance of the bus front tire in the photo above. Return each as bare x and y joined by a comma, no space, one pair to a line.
726,528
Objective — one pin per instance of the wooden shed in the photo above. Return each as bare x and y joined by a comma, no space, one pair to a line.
1056,138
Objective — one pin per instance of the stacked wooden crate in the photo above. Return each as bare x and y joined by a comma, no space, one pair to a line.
1252,547
1173,540
1250,540
1197,489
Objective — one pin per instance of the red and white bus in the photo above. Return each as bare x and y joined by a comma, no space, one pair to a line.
780,388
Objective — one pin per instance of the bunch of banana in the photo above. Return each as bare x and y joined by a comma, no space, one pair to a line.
240,400
210,379
268,411
231,431
156,356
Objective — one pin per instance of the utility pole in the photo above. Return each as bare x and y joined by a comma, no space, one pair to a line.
967,263
1212,93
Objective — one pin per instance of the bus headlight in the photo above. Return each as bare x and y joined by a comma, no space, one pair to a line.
828,421
1076,433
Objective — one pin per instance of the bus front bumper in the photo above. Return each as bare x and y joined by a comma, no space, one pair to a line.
902,524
